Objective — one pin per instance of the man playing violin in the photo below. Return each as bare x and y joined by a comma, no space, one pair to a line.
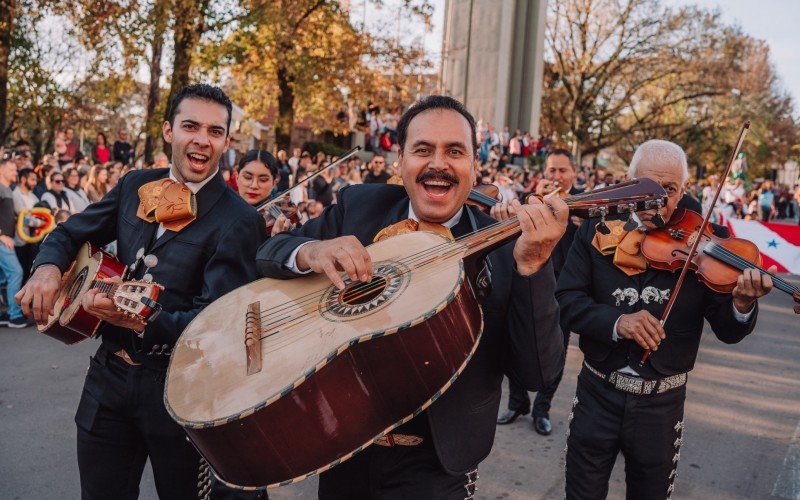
559,175
435,455
612,299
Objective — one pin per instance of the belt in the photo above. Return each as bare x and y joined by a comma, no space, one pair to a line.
122,353
636,385
392,439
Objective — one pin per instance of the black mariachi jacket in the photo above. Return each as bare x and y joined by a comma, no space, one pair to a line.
208,258
521,335
593,293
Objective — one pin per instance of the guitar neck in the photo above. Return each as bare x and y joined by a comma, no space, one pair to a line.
110,289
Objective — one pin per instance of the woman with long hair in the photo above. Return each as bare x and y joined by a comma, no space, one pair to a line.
98,183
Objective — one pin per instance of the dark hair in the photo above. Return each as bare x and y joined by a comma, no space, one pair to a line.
105,140
434,102
57,172
262,156
200,91
560,151
25,172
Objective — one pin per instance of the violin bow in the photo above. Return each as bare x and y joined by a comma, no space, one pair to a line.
310,178
701,230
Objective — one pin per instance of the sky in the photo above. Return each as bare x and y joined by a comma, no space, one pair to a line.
776,21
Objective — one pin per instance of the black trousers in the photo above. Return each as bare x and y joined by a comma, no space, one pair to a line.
518,399
648,430
392,473
121,422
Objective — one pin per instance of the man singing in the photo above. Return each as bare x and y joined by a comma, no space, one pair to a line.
121,417
435,455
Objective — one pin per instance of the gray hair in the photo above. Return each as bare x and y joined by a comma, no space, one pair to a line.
658,152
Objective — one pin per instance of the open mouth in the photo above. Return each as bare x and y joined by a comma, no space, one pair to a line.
437,184
198,161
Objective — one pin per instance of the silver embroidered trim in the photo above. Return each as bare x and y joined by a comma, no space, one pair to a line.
472,483
204,481
637,385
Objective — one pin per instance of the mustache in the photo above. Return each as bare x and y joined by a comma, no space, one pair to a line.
438,175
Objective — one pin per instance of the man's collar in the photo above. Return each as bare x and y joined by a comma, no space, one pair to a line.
194,187
449,224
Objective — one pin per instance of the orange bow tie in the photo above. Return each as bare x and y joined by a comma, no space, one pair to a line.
410,225
167,202
625,245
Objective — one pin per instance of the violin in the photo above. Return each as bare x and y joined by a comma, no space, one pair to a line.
281,205
484,196
718,262
276,207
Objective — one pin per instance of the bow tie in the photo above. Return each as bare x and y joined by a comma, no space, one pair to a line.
410,225
168,203
625,245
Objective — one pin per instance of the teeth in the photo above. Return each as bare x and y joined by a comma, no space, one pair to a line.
437,183
198,157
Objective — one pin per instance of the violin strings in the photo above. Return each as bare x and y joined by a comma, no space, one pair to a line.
746,264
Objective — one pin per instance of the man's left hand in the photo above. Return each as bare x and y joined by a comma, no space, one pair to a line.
100,306
750,287
543,225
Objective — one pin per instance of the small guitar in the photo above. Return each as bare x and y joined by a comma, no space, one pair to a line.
70,323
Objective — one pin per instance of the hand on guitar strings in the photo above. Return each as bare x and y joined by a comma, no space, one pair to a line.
751,286
543,223
345,253
100,306
38,295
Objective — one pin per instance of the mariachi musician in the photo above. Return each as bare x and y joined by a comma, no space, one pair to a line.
612,299
435,455
559,175
201,251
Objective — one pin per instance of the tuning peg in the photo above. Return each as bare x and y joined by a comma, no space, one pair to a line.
601,226
150,261
657,219
147,278
631,223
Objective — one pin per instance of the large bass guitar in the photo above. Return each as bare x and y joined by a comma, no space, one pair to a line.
279,380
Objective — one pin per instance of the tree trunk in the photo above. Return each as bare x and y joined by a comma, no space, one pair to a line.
190,17
152,122
285,121
7,8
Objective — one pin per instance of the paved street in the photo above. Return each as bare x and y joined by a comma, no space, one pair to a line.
742,433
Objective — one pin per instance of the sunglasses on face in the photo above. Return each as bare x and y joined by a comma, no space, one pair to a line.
58,181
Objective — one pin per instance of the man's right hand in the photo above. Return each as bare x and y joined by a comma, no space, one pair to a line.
38,295
642,327
345,253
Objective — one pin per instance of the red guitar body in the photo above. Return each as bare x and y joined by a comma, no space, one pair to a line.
71,323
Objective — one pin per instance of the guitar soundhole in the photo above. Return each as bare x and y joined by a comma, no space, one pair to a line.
359,299
77,284
361,293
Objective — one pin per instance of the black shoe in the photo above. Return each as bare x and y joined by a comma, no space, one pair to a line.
542,425
509,416
20,322
3,319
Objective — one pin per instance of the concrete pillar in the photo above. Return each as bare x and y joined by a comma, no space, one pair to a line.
492,59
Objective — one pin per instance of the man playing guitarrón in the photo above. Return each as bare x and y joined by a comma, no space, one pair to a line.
435,455
121,417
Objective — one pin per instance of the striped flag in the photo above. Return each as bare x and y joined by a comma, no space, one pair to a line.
779,243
